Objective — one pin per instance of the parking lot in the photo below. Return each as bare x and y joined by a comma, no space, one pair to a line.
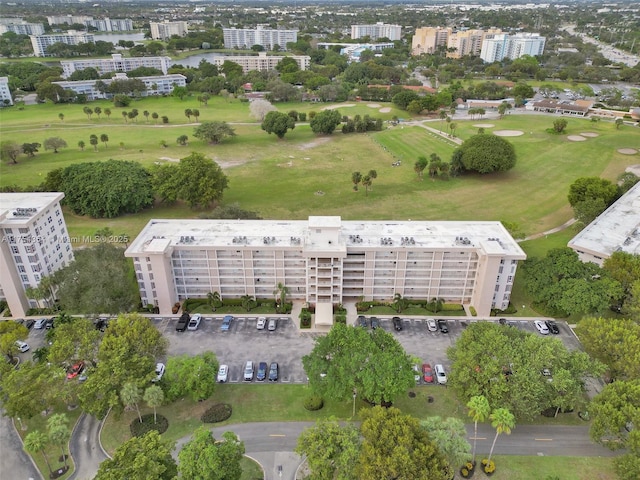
287,344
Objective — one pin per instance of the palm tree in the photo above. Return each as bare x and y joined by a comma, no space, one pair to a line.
503,421
618,122
188,112
130,396
59,433
154,396
281,291
97,111
182,140
107,112
442,115
479,410
248,302
154,115
36,442
146,115
196,113
93,140
356,178
214,300
125,115
104,138
366,181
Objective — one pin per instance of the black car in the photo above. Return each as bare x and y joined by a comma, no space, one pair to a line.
102,324
502,321
273,372
49,324
29,324
262,371
183,321
375,323
397,323
552,326
363,322
442,325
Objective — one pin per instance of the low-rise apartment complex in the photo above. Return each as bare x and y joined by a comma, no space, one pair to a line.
34,243
326,261
22,28
40,43
155,85
261,62
617,229
117,63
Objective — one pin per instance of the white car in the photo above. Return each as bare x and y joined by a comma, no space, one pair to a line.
194,323
431,325
416,373
223,373
541,327
22,346
441,377
40,323
262,322
159,372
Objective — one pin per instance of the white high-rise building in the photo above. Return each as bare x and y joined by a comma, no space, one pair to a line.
110,25
500,46
68,19
326,261
5,94
40,43
154,85
246,38
376,31
34,243
165,30
22,28
262,61
117,63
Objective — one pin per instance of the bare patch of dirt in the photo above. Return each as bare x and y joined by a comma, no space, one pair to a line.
590,134
314,143
385,110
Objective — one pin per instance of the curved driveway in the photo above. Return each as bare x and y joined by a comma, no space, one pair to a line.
15,464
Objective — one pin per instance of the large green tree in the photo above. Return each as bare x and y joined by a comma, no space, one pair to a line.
325,122
73,341
36,442
128,353
99,279
194,376
450,436
204,458
197,180
278,123
9,333
10,151
484,153
331,449
592,187
395,446
625,268
148,456
348,359
213,132
30,389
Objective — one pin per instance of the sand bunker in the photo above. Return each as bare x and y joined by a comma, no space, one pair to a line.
484,125
314,143
169,159
508,133
342,105
627,151
590,134
385,110
576,138
373,105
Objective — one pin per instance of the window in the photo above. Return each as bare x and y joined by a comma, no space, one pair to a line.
151,276
140,277
37,277
500,270
30,249
17,259
49,220
60,221
24,278
497,287
14,249
153,285
148,260
33,258
23,230
509,279
21,269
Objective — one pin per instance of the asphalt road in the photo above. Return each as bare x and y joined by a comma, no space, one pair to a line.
84,448
15,464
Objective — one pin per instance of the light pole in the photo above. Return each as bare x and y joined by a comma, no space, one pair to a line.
355,394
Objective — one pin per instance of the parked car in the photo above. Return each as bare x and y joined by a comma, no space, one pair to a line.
22,346
546,373
75,370
19,321
261,374
431,325
416,373
262,322
29,324
273,324
226,323
441,376
502,321
248,371
363,322
375,323
50,323
40,323
541,327
427,373
552,326
442,325
397,323
102,324
183,321
194,323
273,372
223,373
159,372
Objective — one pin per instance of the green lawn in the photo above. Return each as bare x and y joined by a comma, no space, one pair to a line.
511,467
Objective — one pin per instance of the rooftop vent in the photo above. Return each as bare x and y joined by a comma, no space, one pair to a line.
24,212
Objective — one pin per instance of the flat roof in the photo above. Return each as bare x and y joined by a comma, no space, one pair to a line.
615,229
190,233
17,208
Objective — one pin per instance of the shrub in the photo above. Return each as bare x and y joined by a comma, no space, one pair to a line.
488,466
138,429
464,472
302,116
217,413
305,318
313,403
165,119
473,311
341,318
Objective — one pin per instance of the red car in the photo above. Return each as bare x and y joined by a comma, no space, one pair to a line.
427,373
75,370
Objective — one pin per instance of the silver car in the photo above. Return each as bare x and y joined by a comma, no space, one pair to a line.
223,373
248,371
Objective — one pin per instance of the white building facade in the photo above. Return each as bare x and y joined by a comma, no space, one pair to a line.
40,43
262,61
376,31
5,94
165,30
68,19
117,63
34,243
325,261
503,45
110,25
155,85
22,28
245,38
617,229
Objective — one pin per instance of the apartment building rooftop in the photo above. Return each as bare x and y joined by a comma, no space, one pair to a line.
18,208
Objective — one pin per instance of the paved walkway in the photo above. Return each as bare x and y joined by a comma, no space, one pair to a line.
15,463
565,225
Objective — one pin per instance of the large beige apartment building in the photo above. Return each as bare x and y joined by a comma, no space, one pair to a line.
326,261
34,243
457,42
